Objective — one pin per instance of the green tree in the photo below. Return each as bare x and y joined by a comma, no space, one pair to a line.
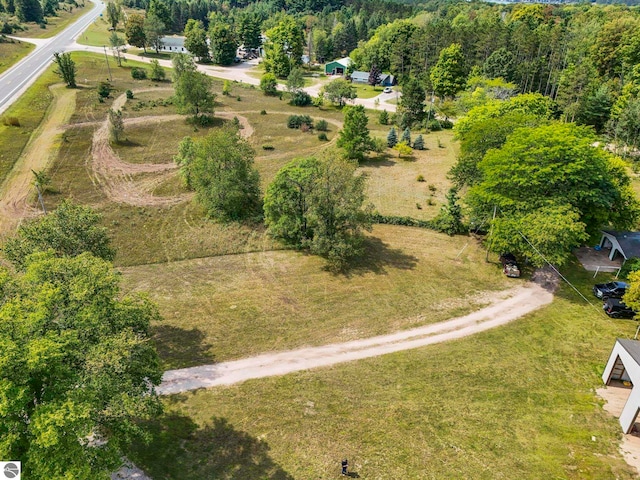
392,138
319,205
79,369
449,76
69,230
222,174
195,40
626,127
184,158
449,219
269,84
226,88
403,149
116,125
632,296
116,42
383,118
154,30
223,44
406,136
295,80
29,11
41,180
418,143
501,63
114,13
134,31
160,10
249,30
555,166
193,89
66,68
284,48
354,136
412,101
157,73
338,91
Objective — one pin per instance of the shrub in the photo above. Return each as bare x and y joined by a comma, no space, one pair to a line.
392,138
269,84
323,137
446,124
11,121
434,125
631,265
129,94
138,73
301,99
432,188
418,143
226,88
322,125
104,89
383,118
263,112
268,147
238,99
296,121
157,72
421,178
317,101
378,145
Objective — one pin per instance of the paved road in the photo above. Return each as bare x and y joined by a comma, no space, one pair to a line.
16,80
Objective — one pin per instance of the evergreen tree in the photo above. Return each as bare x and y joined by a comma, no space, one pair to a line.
406,136
412,101
418,143
29,11
223,44
392,138
354,136
383,118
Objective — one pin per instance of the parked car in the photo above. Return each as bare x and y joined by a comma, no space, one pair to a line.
611,289
387,90
509,265
616,308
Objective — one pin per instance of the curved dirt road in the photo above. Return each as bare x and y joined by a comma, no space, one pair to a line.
509,305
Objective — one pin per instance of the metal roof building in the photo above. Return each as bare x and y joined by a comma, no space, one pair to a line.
624,365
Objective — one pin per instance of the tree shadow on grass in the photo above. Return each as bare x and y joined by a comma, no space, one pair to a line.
181,348
180,449
377,256
380,160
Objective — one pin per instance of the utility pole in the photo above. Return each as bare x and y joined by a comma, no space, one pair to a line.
107,60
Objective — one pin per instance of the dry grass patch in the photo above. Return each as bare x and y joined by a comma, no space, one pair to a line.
12,51
247,304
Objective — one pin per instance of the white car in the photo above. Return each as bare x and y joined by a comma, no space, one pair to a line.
387,90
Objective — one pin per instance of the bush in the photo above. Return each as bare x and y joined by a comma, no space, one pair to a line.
418,143
434,125
129,94
317,101
296,121
421,178
446,124
322,125
138,73
104,89
157,72
631,265
383,118
268,147
300,99
263,112
378,145
11,121
323,137
269,84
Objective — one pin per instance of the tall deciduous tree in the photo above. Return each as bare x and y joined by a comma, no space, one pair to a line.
220,169
249,31
193,88
134,31
223,43
195,40
66,68
354,136
154,30
116,42
69,230
449,75
114,12
412,101
116,125
338,91
284,47
78,368
319,205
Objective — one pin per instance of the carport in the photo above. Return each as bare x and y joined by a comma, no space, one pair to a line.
624,366
626,244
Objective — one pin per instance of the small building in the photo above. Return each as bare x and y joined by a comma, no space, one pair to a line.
624,367
173,45
337,67
387,80
360,77
626,244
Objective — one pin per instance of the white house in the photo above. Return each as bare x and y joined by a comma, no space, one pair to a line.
626,244
624,365
173,45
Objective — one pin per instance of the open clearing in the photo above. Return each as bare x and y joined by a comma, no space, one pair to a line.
12,51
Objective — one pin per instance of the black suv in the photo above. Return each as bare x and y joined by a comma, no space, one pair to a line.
610,290
616,308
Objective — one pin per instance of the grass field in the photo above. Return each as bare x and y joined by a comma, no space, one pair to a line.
97,34
12,51
367,91
240,305
514,402
56,24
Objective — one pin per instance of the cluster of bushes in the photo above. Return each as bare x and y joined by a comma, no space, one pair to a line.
440,224
300,121
152,104
138,73
430,124
300,99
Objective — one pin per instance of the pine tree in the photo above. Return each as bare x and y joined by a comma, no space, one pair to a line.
383,119
406,136
392,138
418,143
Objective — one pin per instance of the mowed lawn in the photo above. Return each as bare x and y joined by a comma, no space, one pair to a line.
239,305
514,402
